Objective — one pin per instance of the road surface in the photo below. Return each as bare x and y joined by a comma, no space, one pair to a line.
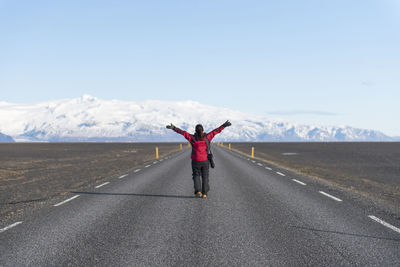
255,215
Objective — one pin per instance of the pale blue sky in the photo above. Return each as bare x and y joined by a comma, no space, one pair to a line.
331,62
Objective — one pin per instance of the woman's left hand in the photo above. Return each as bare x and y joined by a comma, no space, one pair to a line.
171,126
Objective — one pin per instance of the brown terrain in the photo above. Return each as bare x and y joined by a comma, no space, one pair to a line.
34,174
369,169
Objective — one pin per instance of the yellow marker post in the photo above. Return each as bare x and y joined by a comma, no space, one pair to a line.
229,146
252,152
156,152
180,147
188,144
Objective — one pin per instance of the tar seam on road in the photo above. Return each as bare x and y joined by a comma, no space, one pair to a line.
388,225
268,168
281,174
65,201
299,182
103,184
10,226
147,166
138,170
326,194
122,176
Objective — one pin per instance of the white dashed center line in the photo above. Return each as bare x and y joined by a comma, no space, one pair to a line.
65,201
388,225
102,184
155,162
259,164
147,166
268,168
253,161
281,174
299,182
138,170
9,227
326,194
161,160
122,176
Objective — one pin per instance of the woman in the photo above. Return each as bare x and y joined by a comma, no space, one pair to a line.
200,163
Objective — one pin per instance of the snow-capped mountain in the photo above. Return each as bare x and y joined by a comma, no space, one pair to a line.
88,118
5,138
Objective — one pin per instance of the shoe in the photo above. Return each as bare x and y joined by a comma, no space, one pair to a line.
198,194
204,196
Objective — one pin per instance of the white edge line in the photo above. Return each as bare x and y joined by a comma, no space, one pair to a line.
388,225
147,166
102,184
138,170
155,162
326,194
65,201
268,168
299,182
10,226
123,176
259,164
281,174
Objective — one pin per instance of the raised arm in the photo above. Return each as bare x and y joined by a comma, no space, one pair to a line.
214,132
187,135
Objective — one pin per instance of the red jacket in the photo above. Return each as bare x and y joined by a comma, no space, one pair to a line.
199,147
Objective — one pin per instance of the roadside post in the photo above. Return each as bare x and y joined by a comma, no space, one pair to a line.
252,152
229,146
156,152
180,147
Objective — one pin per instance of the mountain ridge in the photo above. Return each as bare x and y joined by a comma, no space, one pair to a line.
88,118
6,139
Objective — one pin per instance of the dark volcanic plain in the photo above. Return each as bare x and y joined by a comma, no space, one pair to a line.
369,169
34,174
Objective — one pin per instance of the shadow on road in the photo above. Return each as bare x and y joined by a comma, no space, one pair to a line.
343,233
132,194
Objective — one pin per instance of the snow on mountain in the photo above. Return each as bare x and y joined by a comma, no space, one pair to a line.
6,138
88,118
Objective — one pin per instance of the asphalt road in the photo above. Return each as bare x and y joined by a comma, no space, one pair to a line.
256,215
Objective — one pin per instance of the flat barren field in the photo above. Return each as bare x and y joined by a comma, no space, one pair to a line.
31,174
370,169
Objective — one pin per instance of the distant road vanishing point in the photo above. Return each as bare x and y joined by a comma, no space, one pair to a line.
256,215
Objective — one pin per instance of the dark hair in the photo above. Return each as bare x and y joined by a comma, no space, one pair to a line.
199,132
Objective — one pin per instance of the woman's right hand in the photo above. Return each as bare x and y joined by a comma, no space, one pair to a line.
227,123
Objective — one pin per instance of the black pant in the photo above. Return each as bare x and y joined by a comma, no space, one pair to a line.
200,168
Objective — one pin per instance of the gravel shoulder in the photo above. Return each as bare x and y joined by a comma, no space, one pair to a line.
368,169
34,174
